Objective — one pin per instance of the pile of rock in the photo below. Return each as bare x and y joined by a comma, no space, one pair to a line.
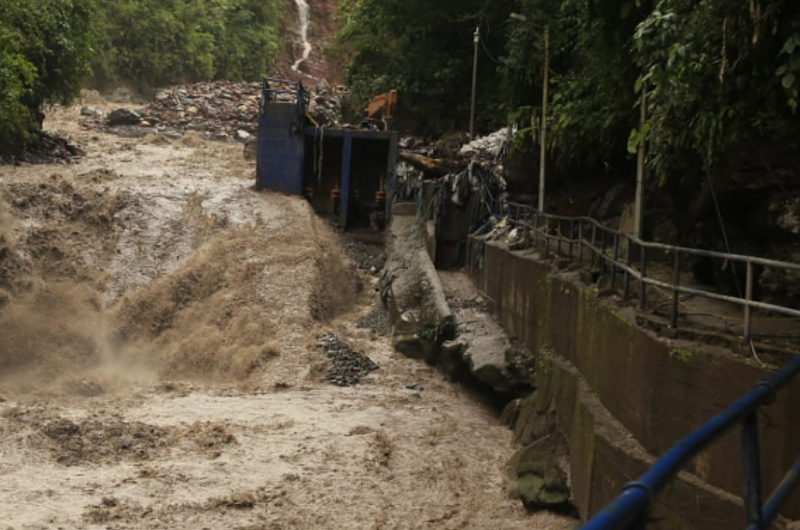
219,111
348,367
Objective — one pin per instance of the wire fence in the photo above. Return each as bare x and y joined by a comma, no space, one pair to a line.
620,254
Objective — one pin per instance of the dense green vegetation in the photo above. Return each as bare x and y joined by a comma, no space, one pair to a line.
721,75
156,42
44,52
424,50
50,48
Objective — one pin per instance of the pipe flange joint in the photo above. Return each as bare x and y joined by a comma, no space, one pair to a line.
771,396
643,487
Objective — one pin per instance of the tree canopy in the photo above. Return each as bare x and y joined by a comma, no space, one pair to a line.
44,51
50,48
719,74
157,42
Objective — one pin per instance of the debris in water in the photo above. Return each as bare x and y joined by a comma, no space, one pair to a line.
348,367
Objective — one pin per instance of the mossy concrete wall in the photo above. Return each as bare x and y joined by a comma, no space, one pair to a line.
656,389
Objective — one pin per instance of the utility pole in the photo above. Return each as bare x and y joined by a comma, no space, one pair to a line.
639,203
543,135
474,85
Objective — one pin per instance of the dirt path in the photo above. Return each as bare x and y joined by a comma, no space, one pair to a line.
159,365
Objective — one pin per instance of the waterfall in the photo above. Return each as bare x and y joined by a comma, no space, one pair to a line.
304,19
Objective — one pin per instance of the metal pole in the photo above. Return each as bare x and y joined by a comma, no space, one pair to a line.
639,204
748,323
603,255
558,235
676,281
752,470
547,237
629,261
571,237
543,135
642,284
614,262
474,85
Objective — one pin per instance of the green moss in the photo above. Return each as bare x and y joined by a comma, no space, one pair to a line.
682,356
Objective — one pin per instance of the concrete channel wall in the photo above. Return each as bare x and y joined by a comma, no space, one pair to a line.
621,394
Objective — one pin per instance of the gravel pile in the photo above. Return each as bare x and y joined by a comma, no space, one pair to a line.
219,111
368,257
223,110
348,367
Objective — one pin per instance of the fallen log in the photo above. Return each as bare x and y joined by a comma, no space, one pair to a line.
433,167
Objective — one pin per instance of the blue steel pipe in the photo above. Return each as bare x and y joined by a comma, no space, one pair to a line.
639,496
780,496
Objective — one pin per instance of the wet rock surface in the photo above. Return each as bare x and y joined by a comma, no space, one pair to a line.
49,148
411,289
482,345
541,479
348,367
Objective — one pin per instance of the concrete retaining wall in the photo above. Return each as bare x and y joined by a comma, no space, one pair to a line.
657,389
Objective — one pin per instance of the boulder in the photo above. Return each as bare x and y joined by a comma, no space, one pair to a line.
411,289
123,117
91,112
539,472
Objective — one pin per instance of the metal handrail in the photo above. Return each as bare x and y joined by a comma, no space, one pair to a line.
520,214
630,511
296,89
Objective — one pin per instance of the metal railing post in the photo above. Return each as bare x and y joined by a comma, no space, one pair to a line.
628,261
676,281
642,283
580,240
752,470
748,298
603,255
535,229
571,237
546,238
558,237
614,256
594,244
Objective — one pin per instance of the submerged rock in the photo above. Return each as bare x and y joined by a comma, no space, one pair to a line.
539,471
